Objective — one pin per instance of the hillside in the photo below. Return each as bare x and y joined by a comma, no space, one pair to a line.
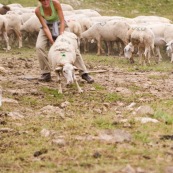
127,8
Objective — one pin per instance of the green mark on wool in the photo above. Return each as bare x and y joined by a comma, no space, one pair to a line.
63,54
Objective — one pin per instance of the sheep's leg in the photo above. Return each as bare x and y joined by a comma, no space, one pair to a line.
7,41
147,55
122,46
171,57
158,54
85,47
132,59
77,84
99,46
59,82
140,56
109,48
19,36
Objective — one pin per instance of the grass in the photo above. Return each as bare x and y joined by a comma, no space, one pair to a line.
98,108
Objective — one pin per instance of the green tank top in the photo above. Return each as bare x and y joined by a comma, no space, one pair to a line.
54,17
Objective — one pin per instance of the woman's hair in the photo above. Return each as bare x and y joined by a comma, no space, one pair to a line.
39,3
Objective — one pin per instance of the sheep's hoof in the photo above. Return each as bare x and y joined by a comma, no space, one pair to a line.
60,92
80,91
132,61
7,49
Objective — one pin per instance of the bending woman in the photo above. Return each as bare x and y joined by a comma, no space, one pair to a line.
51,17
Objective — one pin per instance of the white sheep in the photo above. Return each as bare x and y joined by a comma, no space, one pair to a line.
153,19
31,25
163,33
66,7
3,30
168,37
15,5
87,12
75,27
169,50
62,56
30,28
109,31
143,39
14,25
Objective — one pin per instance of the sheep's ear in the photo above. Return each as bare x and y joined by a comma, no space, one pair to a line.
163,41
59,68
92,41
75,68
127,49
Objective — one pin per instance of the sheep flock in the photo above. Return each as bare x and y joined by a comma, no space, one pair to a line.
142,36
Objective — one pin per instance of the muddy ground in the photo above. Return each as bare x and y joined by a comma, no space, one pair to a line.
113,91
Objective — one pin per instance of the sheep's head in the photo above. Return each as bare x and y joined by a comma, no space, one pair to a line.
68,72
128,50
4,9
169,48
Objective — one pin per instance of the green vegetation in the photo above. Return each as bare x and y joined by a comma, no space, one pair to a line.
127,8
23,147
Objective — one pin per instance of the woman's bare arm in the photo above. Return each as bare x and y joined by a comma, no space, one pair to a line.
60,14
44,25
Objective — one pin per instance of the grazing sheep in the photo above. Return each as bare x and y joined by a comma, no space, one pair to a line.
15,5
163,33
30,28
3,30
153,19
169,50
75,27
128,52
66,7
85,23
143,39
14,25
109,31
87,12
4,9
62,56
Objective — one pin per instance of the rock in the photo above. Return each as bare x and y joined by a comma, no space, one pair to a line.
45,132
97,155
99,111
92,89
123,91
144,120
65,104
169,169
60,142
140,170
48,110
85,138
7,100
128,169
130,107
40,152
6,130
114,136
145,110
3,70
15,115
